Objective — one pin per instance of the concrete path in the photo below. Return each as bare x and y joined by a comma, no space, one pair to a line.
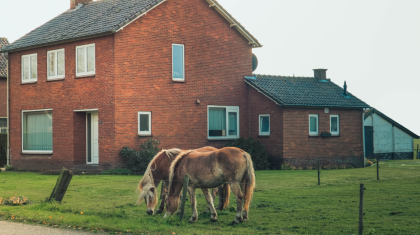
13,228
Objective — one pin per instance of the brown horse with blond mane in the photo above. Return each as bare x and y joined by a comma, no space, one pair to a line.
212,169
158,170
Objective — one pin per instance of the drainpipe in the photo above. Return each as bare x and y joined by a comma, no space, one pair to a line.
8,113
363,131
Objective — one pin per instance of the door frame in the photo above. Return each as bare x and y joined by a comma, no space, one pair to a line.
91,138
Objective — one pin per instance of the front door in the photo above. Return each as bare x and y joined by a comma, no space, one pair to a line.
369,142
92,140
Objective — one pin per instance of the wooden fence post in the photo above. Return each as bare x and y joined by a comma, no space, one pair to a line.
319,172
362,190
184,196
61,186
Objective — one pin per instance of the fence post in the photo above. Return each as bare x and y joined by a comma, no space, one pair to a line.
319,179
184,196
61,186
377,166
362,190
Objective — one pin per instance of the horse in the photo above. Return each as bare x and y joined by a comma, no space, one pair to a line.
208,170
158,170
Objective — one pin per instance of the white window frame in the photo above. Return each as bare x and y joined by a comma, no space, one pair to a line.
3,128
338,124
259,122
55,64
144,133
35,151
313,133
22,72
228,109
86,60
183,63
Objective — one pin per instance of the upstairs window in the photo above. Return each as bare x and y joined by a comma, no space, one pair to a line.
178,66
145,123
55,64
313,124
223,122
3,125
29,68
335,124
264,124
85,60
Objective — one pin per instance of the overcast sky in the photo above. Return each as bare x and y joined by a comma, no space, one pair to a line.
372,44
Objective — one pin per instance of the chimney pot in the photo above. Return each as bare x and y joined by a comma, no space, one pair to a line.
320,74
75,3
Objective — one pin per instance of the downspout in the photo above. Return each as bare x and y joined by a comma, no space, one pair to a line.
8,112
249,120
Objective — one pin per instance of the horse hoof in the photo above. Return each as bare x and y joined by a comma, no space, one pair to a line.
192,220
213,220
159,212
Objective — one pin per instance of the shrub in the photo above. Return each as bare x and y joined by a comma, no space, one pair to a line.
9,168
0,170
334,167
368,163
137,161
350,167
287,167
121,171
255,149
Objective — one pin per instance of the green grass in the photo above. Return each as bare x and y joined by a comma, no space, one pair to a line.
285,202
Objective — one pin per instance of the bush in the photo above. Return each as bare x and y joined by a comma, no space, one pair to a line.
255,149
9,168
137,161
121,171
287,167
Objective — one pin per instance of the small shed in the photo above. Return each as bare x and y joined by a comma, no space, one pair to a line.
387,138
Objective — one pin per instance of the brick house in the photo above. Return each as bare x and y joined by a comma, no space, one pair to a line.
104,75
3,87
301,119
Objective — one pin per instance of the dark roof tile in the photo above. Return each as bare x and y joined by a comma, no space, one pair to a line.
303,91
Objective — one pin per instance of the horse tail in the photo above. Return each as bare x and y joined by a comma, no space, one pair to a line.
249,181
226,195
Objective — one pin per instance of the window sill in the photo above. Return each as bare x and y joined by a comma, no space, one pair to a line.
55,79
85,76
145,135
222,139
24,83
264,136
179,81
314,136
37,153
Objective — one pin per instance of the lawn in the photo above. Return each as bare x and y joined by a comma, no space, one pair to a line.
285,202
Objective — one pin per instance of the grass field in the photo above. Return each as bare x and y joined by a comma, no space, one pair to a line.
285,202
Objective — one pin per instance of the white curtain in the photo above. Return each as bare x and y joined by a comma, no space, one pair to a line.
217,119
37,131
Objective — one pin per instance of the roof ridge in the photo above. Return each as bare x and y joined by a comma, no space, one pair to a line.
280,76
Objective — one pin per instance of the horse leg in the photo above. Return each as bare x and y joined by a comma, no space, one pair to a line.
245,212
239,198
162,197
214,192
193,200
210,204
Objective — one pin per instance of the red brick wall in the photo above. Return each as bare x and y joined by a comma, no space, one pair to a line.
3,97
260,104
217,58
297,144
65,96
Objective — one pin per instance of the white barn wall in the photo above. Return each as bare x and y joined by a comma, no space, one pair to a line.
382,135
403,142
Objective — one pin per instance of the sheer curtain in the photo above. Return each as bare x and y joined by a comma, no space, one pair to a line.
217,122
233,124
37,131
265,124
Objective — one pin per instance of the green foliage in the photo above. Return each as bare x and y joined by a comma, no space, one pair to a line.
0,170
255,149
121,171
9,168
3,146
287,167
137,161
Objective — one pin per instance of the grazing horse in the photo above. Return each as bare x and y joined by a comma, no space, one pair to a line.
212,169
158,170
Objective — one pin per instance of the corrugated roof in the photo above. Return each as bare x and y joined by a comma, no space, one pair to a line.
303,91
92,19
3,60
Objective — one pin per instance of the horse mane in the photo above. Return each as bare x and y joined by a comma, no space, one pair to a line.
173,165
148,176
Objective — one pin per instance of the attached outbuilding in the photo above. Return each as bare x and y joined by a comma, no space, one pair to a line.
386,138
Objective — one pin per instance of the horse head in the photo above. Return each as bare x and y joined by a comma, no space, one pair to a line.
148,193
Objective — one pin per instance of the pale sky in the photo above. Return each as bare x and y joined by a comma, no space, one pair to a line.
372,44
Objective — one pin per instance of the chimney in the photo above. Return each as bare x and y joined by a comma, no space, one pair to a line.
320,74
345,89
74,3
